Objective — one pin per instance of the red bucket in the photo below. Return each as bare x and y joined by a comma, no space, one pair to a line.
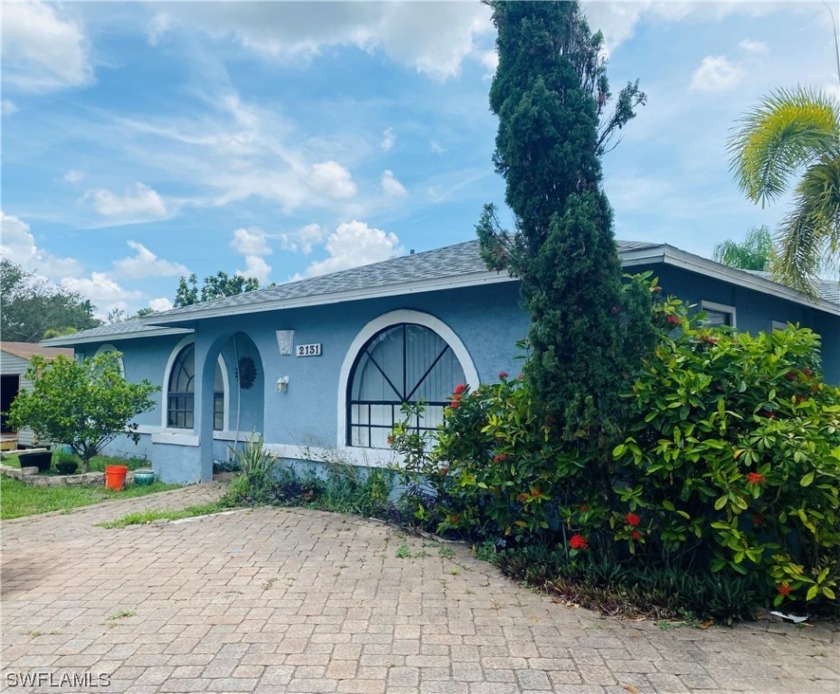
115,477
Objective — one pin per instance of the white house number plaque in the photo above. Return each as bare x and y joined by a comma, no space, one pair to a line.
313,350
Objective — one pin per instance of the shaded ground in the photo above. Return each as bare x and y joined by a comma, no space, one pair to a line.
290,600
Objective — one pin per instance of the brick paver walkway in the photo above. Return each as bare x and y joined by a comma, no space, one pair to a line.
289,600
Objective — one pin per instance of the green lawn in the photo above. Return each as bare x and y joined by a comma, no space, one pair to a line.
18,499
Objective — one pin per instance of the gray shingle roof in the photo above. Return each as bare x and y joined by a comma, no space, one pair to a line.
459,263
451,261
828,290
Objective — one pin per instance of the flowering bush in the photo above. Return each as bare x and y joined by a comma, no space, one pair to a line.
733,463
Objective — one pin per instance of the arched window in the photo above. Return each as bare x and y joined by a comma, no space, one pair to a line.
181,392
403,363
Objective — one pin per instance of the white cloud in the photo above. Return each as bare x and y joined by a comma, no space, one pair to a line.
74,176
303,239
618,20
42,51
333,180
353,244
139,202
715,74
17,244
255,266
433,39
250,242
160,304
391,186
389,137
753,46
436,147
147,264
8,107
101,289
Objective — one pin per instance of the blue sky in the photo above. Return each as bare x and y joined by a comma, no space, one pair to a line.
144,141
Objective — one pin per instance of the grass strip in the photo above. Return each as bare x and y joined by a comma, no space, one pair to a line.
143,517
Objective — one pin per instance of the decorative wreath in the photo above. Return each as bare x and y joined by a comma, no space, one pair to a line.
247,373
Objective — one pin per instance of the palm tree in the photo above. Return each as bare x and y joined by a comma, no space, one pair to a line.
793,131
755,252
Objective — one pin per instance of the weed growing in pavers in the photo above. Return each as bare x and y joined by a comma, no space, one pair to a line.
269,583
403,552
446,552
454,572
121,614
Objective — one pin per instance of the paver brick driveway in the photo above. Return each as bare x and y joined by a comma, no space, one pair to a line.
289,600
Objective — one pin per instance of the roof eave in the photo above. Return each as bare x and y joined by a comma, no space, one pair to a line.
474,279
669,255
68,340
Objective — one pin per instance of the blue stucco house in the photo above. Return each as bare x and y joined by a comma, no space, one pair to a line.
321,366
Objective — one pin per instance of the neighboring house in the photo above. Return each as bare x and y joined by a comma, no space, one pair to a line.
321,366
14,361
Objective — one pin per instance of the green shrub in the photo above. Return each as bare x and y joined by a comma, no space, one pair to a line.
733,462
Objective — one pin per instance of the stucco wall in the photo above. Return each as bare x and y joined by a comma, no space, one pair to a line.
487,320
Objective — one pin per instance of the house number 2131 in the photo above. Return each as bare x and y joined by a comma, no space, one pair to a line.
313,350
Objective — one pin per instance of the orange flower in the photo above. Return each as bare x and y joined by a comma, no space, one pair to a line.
785,589
756,478
523,497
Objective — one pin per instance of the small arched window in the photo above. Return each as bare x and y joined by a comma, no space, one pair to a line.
181,391
405,363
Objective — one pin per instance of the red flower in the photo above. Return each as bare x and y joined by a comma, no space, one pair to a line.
500,458
673,320
578,542
444,470
454,404
785,589
791,375
757,519
632,519
756,478
523,497
635,535
460,388
503,375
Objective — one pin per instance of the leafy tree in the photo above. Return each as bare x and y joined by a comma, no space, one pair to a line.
795,131
551,93
215,286
82,404
755,252
34,309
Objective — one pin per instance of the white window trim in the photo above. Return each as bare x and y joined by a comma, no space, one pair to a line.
386,320
165,390
721,308
108,347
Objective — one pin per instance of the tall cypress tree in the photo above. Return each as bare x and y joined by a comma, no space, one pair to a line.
550,93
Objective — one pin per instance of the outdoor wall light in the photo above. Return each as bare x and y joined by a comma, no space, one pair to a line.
282,384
